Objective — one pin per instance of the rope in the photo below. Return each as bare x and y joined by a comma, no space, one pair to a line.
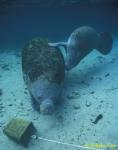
68,144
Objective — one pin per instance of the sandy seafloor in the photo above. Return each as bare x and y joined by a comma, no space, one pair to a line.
90,89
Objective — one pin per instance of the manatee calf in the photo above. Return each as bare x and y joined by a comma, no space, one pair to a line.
81,42
43,72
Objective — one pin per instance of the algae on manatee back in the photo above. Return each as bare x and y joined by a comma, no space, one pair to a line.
45,59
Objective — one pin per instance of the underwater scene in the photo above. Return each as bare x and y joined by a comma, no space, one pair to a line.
59,75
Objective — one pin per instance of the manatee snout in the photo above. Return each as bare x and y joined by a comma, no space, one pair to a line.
47,107
46,95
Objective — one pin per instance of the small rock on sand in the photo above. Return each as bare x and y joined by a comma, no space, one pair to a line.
88,103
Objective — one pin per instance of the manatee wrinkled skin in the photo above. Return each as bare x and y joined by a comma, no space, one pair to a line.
82,41
43,72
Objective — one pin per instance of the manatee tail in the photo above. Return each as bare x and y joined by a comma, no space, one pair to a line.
105,44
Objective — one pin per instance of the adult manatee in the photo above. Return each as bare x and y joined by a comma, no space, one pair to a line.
43,72
81,42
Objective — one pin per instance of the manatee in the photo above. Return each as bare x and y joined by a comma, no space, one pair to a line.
81,42
43,73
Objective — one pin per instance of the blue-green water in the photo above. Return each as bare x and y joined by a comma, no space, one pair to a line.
21,23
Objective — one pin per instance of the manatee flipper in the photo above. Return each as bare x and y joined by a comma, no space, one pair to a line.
105,44
58,44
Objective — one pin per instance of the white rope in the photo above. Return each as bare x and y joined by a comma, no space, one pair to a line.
68,144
